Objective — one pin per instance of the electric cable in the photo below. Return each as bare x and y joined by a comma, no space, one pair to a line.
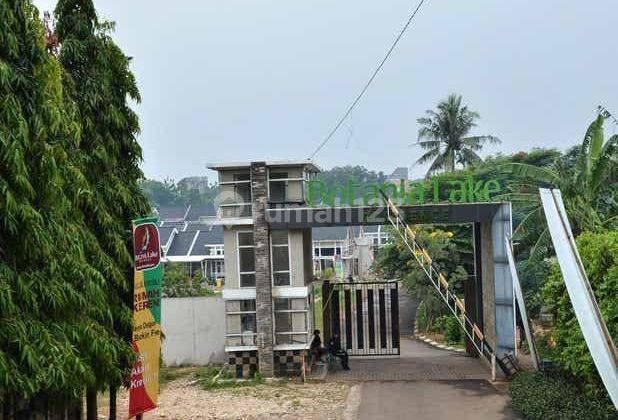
373,76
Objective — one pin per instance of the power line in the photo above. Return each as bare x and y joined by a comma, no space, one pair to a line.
373,76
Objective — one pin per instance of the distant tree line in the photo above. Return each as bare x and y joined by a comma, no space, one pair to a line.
179,193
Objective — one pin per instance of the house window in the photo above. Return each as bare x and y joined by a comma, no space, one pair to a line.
286,186
216,249
246,259
280,257
327,252
235,194
217,269
291,323
241,328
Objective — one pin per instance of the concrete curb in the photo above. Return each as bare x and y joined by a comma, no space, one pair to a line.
432,343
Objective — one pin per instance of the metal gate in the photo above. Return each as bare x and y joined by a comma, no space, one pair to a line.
365,315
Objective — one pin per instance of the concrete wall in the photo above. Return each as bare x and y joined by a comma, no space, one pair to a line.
308,256
488,284
296,258
194,329
503,289
230,244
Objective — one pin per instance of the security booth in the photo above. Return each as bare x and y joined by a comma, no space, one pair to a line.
268,270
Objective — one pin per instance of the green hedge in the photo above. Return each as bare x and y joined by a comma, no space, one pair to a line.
537,396
599,254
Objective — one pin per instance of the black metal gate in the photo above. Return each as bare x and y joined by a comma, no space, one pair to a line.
365,315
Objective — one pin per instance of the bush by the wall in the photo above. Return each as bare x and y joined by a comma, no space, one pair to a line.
537,396
453,334
599,253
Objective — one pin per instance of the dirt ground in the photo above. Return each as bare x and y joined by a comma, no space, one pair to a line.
180,399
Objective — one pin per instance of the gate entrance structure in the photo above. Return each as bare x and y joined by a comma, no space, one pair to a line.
268,257
364,315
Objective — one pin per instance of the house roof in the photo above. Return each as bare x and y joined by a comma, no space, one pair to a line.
309,165
180,213
206,238
195,242
178,224
197,211
171,213
181,244
164,234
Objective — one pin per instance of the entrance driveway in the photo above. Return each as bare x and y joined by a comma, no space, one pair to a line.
461,400
418,362
424,383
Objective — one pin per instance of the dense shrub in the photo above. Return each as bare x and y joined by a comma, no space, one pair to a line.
449,326
599,253
178,282
453,334
537,396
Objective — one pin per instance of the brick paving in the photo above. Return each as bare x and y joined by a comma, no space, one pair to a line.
418,362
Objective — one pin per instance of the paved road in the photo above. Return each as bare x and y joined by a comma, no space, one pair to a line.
461,400
424,383
418,362
407,311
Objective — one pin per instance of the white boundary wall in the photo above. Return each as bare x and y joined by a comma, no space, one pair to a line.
194,329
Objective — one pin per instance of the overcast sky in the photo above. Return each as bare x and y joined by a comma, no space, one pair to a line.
239,80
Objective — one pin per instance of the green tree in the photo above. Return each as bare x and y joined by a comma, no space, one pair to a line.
161,192
444,134
179,283
340,175
599,254
55,324
98,79
396,262
586,179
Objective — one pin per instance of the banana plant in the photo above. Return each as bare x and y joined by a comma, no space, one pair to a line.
589,188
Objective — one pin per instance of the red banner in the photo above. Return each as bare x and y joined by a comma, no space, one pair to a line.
146,343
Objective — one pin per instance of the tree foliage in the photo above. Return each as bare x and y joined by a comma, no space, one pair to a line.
396,262
599,253
587,179
179,283
340,175
171,193
56,329
98,80
69,185
445,136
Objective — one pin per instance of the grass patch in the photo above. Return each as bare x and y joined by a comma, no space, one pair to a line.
219,376
170,374
213,376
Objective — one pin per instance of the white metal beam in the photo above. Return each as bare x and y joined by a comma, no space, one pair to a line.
594,330
522,306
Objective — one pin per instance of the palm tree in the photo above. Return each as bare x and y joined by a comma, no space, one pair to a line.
587,184
444,136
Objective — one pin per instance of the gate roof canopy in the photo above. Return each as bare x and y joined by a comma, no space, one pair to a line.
306,217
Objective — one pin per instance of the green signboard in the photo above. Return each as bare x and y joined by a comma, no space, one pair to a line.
404,192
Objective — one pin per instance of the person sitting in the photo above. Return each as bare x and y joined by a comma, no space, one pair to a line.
316,347
335,350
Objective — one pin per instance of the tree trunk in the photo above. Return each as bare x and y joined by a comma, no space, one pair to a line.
112,402
91,404
7,408
75,411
